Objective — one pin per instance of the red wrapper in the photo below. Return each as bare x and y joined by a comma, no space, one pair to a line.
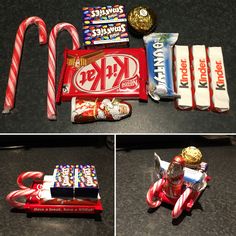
105,73
84,111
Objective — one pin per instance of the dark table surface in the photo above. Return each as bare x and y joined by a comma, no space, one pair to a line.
44,159
213,214
207,22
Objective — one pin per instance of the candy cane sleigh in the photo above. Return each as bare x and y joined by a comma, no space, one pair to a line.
39,200
195,182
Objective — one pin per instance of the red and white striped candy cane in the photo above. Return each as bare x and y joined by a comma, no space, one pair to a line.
51,97
16,57
178,208
27,175
11,197
153,192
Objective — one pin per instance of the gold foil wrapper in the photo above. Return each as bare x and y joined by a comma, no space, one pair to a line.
192,156
142,19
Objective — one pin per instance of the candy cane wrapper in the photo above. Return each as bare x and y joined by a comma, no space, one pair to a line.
220,96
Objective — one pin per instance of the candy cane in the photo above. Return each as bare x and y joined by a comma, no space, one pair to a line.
178,208
152,192
16,57
11,197
51,105
27,175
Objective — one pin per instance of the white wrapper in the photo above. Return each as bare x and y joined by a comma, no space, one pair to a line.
200,77
183,77
220,97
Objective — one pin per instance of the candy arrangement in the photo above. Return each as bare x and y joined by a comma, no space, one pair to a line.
71,189
104,70
180,182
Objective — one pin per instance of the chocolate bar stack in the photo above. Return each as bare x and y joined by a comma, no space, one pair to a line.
74,181
105,27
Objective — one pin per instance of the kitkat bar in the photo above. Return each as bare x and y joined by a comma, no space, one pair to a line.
120,72
63,181
220,96
200,77
86,182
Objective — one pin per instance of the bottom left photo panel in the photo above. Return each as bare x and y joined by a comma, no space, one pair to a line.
60,184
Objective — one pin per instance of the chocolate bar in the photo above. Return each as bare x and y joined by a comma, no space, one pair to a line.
119,73
91,57
63,177
86,183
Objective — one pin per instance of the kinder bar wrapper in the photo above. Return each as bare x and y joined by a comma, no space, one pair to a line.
63,177
105,35
84,111
183,82
200,77
105,14
220,97
159,59
86,182
106,73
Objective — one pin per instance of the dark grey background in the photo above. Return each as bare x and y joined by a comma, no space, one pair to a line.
42,153
209,22
212,214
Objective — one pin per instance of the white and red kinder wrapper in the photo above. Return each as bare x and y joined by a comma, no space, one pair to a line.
220,97
183,83
200,77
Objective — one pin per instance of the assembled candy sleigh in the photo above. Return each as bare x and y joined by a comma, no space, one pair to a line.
180,182
71,189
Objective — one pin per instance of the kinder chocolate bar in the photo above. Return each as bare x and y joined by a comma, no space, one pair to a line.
84,111
63,177
200,77
183,77
159,58
106,14
220,97
117,73
106,35
86,182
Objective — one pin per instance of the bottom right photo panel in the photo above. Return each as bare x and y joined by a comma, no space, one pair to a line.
175,184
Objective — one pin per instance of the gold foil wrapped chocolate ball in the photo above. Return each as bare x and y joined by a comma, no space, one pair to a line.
142,20
192,156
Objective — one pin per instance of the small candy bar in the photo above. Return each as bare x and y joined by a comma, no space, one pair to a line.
63,178
106,35
84,111
106,73
183,82
220,97
159,59
200,77
102,15
86,183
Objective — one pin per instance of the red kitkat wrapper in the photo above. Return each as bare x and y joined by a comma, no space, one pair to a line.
106,73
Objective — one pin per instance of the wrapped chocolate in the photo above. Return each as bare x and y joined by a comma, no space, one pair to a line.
192,156
142,20
159,60
84,111
106,73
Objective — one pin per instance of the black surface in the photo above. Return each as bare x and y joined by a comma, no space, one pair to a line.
208,22
213,214
44,159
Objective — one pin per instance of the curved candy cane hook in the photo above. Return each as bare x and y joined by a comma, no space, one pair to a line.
16,57
51,97
27,175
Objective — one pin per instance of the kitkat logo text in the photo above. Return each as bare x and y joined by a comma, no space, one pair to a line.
108,73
